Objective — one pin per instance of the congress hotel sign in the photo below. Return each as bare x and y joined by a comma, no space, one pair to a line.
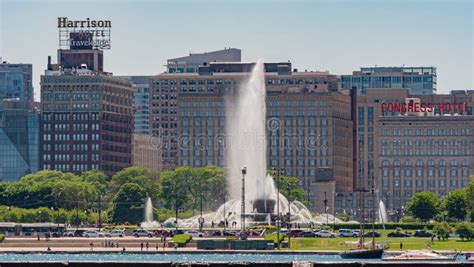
84,34
442,108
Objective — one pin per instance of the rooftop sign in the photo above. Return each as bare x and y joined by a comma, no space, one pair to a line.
84,34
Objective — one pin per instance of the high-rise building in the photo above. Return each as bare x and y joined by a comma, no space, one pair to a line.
141,100
420,80
166,87
16,81
191,63
408,143
19,132
86,122
313,125
146,152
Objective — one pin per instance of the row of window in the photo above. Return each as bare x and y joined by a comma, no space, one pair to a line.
426,132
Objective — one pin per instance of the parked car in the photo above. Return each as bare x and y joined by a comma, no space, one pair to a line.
422,233
372,234
91,233
75,233
229,233
347,233
324,233
307,234
294,233
115,233
398,234
142,232
195,233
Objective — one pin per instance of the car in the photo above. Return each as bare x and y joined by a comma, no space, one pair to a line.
347,233
142,232
294,233
324,233
372,234
398,234
115,233
307,234
422,233
92,233
229,233
75,233
195,233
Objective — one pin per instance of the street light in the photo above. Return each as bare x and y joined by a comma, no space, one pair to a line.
242,215
289,215
225,214
326,208
278,220
201,219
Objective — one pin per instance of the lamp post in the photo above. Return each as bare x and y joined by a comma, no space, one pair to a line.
176,206
225,214
201,219
242,215
326,208
278,206
289,215
100,211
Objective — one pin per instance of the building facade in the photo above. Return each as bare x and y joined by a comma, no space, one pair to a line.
146,152
420,80
313,125
392,141
191,63
86,122
141,101
19,132
16,81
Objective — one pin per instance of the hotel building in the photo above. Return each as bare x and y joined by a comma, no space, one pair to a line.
311,124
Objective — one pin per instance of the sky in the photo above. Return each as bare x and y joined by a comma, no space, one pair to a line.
338,35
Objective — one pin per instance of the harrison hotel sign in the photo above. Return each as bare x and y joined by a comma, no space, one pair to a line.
84,34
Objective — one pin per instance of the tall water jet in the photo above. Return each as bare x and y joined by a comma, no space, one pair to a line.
383,217
148,221
246,145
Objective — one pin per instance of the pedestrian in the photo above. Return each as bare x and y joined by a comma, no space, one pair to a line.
164,245
175,246
123,249
48,249
141,246
92,246
147,246
401,245
156,246
212,224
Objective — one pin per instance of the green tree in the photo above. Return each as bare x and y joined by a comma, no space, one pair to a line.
128,204
470,196
138,175
443,229
465,231
424,205
456,204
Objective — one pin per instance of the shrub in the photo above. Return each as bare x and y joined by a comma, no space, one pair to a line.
182,240
465,231
443,230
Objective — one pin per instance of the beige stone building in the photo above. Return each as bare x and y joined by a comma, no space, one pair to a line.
146,152
404,152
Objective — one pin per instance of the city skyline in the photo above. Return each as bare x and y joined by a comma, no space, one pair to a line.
153,32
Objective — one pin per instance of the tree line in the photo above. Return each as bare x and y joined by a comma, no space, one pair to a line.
55,196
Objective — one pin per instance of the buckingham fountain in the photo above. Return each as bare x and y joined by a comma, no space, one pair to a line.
246,148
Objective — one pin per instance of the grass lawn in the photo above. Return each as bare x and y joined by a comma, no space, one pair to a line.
393,243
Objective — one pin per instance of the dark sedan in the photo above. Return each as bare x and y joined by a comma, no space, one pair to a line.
422,233
398,234
307,234
372,234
